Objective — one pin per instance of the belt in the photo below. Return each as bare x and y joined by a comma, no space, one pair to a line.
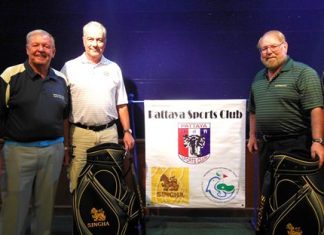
95,128
269,138
40,144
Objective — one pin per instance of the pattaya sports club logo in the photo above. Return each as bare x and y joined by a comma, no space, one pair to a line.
194,142
220,184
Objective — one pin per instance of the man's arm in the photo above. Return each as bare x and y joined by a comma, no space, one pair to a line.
252,143
125,122
317,132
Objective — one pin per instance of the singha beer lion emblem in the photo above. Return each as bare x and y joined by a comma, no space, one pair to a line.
194,142
291,230
98,217
169,183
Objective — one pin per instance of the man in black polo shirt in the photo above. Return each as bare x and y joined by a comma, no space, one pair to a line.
33,106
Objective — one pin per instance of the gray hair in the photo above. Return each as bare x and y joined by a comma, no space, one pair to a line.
96,25
279,35
39,32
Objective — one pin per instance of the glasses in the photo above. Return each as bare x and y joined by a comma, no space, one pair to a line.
274,48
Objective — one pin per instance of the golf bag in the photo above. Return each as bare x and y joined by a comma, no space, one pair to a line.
292,197
103,204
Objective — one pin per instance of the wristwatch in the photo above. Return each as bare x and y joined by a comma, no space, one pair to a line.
129,131
319,140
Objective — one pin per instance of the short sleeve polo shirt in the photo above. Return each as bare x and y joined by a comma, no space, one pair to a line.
96,90
283,104
37,107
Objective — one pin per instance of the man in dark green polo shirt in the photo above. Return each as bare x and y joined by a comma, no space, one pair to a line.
285,105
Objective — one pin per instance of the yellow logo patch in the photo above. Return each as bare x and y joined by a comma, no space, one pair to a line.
170,185
291,230
98,217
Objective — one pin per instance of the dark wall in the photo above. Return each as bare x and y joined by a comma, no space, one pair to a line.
171,49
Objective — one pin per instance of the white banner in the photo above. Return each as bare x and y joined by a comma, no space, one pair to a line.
195,153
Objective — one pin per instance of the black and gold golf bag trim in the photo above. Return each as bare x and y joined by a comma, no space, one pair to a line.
103,203
292,197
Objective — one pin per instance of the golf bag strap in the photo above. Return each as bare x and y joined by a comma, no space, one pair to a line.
316,181
298,196
263,202
290,165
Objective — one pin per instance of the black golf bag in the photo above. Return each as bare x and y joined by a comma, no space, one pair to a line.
103,203
292,197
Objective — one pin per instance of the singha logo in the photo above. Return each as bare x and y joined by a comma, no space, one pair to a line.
291,230
98,215
169,184
99,219
194,143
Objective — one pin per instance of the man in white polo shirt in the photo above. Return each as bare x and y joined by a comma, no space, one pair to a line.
98,99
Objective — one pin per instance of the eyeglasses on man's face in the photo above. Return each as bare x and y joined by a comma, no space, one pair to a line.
274,48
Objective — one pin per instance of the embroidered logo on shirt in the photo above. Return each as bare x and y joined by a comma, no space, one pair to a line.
58,96
281,85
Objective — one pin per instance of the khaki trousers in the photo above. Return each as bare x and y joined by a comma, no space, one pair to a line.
81,140
30,177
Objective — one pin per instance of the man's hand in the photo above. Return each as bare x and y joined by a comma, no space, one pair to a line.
128,141
252,144
317,149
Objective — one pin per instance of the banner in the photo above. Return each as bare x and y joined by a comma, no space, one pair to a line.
195,153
